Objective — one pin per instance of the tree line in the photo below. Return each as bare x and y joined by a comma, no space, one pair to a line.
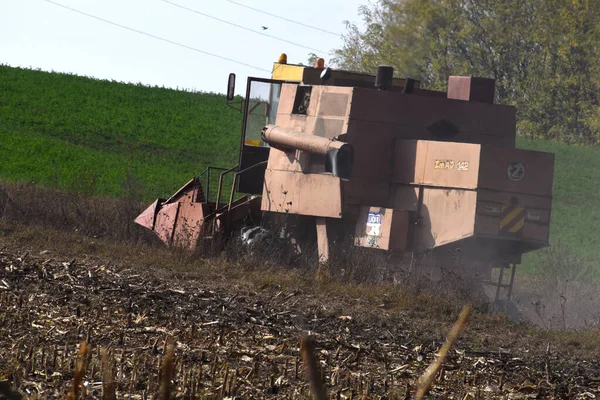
543,54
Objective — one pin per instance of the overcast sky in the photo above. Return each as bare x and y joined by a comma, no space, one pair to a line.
39,34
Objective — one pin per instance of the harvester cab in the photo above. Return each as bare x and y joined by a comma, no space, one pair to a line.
416,173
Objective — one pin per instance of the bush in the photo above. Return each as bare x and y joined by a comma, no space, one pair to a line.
98,217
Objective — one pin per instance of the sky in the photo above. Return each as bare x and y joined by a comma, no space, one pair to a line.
41,34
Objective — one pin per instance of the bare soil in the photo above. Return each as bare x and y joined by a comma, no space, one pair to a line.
237,332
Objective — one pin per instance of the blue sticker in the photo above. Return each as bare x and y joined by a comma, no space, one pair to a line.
373,224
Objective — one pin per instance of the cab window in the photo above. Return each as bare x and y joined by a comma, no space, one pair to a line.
261,110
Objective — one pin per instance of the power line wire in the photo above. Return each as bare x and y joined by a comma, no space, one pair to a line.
283,18
243,27
158,37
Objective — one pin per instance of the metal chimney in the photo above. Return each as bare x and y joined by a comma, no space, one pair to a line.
384,77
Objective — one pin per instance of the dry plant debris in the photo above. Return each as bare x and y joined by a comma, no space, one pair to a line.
427,379
101,331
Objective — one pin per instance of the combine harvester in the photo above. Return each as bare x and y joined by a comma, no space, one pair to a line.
419,174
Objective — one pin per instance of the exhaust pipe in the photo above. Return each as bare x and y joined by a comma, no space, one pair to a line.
340,155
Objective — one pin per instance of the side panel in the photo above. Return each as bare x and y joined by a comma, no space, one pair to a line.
189,224
382,228
330,101
326,114
523,230
328,127
446,119
523,200
513,216
297,161
305,194
407,130
165,222
517,171
439,164
446,216
372,155
405,197
361,191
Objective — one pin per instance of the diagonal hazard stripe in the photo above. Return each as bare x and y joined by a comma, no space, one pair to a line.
519,224
510,217
518,219
506,210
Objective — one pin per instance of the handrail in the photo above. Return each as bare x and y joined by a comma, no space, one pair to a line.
207,169
217,205
207,172
235,178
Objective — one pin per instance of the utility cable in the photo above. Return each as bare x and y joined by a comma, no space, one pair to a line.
283,18
158,37
243,27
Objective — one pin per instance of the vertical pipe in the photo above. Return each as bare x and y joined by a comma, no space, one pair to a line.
208,185
417,221
512,279
322,240
500,278
232,194
221,185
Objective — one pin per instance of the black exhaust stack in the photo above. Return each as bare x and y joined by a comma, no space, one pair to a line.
384,77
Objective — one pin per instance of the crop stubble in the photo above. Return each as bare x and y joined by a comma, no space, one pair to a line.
235,343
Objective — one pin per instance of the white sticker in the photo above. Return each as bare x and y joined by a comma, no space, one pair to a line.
534,215
373,224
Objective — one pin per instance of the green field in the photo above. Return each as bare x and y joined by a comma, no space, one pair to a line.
576,192
80,133
99,136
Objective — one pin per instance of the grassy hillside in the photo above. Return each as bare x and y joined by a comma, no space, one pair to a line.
76,132
576,204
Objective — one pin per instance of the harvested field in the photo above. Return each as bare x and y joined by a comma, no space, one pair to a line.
240,338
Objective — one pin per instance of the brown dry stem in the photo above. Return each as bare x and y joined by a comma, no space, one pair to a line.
108,384
79,372
312,365
168,369
427,379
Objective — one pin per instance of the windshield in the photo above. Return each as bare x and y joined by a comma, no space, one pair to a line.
263,101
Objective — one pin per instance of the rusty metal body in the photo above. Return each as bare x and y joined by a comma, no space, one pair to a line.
398,168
